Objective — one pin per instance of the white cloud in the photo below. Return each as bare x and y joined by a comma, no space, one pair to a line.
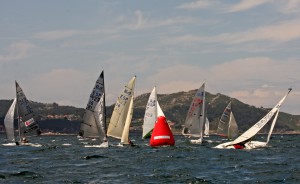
143,23
200,4
56,34
289,6
281,32
258,81
246,5
17,51
64,86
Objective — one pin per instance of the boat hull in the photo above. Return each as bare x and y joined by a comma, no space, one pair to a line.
248,145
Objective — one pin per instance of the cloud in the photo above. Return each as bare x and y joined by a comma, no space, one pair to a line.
258,81
280,32
200,4
64,86
17,51
289,6
56,34
246,5
143,23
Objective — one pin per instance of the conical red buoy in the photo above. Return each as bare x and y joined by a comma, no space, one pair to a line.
161,134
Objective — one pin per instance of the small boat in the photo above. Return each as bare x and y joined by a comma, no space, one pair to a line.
245,141
27,125
162,134
152,111
227,125
121,117
196,117
94,118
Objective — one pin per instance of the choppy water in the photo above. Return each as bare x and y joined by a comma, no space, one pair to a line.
64,159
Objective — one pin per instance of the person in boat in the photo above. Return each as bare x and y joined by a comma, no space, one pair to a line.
239,146
24,140
81,133
131,143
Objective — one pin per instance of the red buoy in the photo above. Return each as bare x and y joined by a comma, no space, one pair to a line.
161,134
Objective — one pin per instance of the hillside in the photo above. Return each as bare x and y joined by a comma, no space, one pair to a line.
56,118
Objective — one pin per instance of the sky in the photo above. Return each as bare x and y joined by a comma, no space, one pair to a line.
55,50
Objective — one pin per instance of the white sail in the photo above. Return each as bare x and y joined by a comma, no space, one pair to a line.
232,127
151,113
93,124
259,125
125,134
99,114
272,126
194,123
224,120
206,127
9,122
159,110
120,113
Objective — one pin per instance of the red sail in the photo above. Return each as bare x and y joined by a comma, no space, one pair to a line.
161,134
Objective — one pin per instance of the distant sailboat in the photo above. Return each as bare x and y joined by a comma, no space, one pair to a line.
121,117
152,111
206,128
227,125
26,119
245,141
196,116
94,119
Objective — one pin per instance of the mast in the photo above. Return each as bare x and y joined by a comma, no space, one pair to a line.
18,115
104,108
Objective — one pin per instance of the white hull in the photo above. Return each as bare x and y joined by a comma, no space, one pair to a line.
248,145
23,144
197,141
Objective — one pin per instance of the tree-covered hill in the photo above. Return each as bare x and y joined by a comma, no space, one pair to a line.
53,117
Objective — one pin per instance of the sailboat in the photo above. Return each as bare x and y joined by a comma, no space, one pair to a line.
121,117
152,111
27,125
245,141
206,128
195,119
227,125
94,118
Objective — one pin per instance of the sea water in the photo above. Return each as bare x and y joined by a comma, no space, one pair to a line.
68,159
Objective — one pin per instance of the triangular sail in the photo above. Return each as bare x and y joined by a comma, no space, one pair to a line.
150,114
223,122
194,123
99,114
206,127
27,121
125,134
159,110
272,126
233,131
9,122
93,124
259,125
120,113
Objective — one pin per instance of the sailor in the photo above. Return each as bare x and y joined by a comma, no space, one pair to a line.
239,146
24,140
